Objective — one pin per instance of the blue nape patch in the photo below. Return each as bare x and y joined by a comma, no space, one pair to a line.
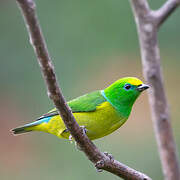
103,94
44,120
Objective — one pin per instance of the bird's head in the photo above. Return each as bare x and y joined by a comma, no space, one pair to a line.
124,92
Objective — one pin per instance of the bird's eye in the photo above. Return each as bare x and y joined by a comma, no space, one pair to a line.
127,86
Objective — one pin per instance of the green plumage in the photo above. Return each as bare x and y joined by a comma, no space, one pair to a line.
100,112
87,102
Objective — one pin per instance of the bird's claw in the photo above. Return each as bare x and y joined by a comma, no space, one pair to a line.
99,165
76,144
70,138
84,129
110,156
98,170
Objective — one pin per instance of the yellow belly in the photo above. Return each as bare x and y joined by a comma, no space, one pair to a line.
99,123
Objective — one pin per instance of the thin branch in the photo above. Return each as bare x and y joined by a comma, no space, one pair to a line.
100,160
165,11
147,32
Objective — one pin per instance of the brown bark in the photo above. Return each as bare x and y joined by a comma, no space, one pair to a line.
100,160
148,22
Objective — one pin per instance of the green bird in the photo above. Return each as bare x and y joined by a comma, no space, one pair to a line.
100,112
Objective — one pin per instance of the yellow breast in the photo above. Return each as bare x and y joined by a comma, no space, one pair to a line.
98,123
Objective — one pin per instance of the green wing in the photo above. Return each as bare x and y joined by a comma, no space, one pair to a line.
85,103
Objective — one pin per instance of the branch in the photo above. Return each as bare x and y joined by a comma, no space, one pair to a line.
100,160
165,11
147,32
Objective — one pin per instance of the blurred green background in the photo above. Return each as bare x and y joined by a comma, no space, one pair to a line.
92,44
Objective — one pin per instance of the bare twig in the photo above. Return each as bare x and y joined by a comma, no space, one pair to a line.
100,160
147,25
165,11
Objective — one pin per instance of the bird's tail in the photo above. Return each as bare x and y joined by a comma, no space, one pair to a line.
34,126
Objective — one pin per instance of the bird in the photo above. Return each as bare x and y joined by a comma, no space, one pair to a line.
100,112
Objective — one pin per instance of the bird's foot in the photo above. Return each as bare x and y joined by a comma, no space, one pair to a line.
110,156
70,138
84,129
76,144
99,165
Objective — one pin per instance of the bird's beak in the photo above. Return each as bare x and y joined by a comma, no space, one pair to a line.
142,87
